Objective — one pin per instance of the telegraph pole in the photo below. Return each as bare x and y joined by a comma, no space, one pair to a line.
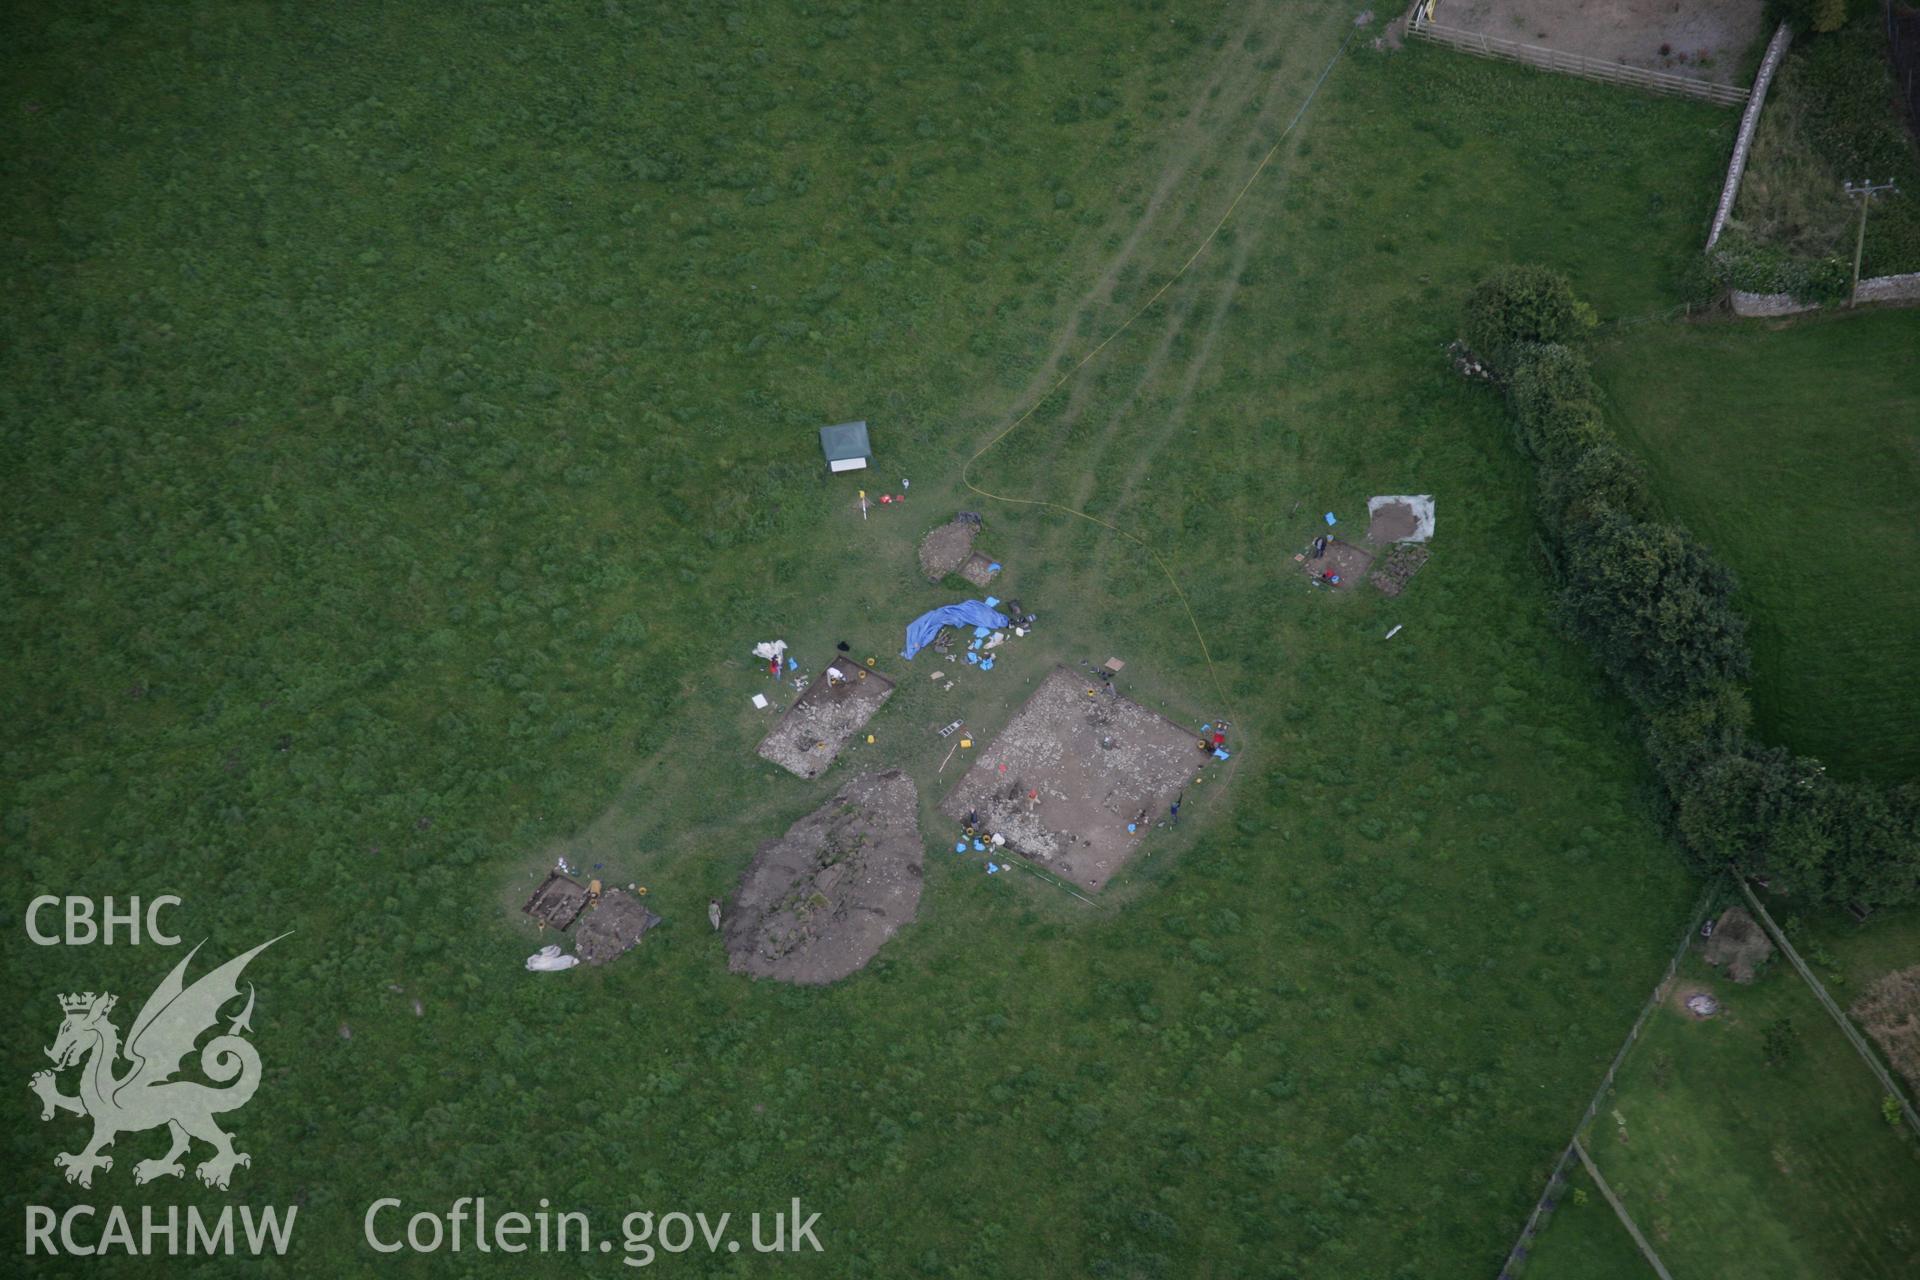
1866,190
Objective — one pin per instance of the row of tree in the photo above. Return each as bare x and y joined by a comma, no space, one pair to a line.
1656,611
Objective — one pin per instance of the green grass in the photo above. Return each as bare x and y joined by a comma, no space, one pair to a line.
1833,116
1584,1240
1793,452
408,417
1735,1167
1849,956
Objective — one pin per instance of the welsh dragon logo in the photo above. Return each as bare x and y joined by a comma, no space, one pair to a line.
146,1095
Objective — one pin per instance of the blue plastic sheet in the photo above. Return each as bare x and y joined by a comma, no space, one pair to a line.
968,613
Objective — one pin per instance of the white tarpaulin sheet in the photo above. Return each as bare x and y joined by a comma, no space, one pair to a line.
1399,510
549,960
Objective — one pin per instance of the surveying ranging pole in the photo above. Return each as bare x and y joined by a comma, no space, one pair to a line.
1866,190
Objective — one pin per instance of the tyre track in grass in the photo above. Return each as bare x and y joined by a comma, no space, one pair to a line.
1064,379
1223,706
623,821
1151,445
1148,445
1236,82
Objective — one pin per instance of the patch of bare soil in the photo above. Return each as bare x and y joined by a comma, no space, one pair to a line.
1340,560
979,570
612,927
947,547
1397,568
1701,39
818,726
818,902
1068,774
1391,522
1738,945
1692,998
1890,1012
558,902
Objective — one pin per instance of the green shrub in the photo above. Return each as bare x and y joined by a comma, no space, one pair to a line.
1579,489
1847,82
1873,855
1731,805
1654,608
1832,117
1691,733
1739,263
1520,305
1656,611
1570,430
1768,810
1552,393
1778,1041
1811,15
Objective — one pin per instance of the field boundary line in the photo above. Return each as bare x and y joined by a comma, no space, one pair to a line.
1749,126
966,471
1860,1045
1543,1207
1575,64
1035,872
1620,1211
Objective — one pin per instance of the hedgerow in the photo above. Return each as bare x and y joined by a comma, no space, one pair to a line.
1656,611
1739,263
1520,305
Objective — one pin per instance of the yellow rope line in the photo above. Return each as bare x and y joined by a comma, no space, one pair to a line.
1175,278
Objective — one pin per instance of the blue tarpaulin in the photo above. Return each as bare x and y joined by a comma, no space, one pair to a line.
968,613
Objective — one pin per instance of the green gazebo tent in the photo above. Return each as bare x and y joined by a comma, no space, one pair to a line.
846,446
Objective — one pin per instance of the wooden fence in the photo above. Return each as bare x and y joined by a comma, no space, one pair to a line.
1577,64
1845,1023
1557,1180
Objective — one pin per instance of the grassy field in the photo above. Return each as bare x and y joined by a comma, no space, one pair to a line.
409,423
1793,451
1849,956
1833,116
1732,1166
1584,1239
